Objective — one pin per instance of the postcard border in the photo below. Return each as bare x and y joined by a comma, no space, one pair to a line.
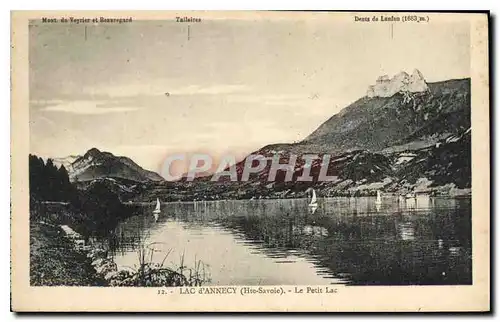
376,299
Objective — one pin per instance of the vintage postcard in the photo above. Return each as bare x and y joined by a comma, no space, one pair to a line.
250,161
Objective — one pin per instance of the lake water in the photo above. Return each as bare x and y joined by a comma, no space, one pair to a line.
276,242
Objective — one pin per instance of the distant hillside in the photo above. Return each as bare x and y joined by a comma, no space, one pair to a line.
443,169
123,188
96,164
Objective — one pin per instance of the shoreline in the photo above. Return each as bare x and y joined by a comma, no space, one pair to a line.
55,261
466,193
59,256
90,258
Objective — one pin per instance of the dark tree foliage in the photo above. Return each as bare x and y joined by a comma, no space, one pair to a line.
94,210
47,182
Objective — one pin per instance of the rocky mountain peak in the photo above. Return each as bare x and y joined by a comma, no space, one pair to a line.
401,82
94,152
101,164
417,75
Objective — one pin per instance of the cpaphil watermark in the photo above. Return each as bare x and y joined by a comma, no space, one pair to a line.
304,168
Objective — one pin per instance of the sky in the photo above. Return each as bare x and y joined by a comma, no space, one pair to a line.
233,85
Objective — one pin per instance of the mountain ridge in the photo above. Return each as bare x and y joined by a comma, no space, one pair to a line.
405,142
95,164
377,137
377,123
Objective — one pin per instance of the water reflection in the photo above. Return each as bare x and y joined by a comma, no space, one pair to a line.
406,231
345,240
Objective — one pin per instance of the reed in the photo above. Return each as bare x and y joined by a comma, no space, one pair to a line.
157,274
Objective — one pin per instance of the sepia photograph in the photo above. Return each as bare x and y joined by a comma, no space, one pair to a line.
252,154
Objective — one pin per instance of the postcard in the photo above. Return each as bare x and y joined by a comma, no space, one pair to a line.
270,161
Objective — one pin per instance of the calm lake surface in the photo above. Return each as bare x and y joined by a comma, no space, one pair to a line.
272,242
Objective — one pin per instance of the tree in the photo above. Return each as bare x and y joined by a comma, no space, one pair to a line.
51,181
36,175
65,188
47,182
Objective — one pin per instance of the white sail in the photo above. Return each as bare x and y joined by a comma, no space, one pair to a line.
379,198
157,209
313,202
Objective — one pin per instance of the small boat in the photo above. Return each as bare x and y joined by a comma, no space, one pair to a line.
379,198
157,210
314,202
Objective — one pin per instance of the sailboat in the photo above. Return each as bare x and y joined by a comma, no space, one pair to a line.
157,210
313,205
314,202
379,198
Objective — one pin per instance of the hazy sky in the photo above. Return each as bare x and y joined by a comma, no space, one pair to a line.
234,85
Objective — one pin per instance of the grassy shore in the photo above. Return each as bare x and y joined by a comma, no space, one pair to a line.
54,260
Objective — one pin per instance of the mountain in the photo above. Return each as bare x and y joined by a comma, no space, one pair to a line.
409,119
65,161
404,119
96,164
405,135
400,83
